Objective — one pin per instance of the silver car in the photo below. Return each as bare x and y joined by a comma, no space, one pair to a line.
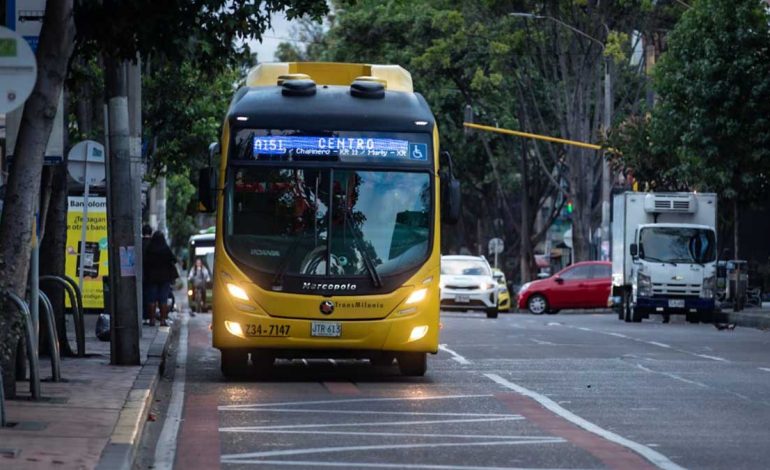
467,284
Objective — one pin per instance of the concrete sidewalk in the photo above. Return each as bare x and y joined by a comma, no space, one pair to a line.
93,418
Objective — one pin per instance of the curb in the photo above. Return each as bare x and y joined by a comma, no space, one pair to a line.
746,319
120,451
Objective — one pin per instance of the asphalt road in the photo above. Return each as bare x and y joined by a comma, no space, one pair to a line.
567,391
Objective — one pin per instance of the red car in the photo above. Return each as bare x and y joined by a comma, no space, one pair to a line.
582,285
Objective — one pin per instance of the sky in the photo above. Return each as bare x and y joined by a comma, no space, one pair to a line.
281,31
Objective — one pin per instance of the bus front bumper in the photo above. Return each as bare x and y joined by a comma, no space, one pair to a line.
415,332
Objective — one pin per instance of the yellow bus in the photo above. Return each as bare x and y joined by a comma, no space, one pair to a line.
328,198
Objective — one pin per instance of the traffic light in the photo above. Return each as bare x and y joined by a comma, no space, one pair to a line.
570,207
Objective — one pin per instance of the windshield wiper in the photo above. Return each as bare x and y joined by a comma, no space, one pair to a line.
358,241
650,258
284,266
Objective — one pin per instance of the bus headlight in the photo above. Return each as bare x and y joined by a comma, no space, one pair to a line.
234,328
418,332
417,296
237,292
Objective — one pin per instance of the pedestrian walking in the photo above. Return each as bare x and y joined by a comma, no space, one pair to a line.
159,272
146,236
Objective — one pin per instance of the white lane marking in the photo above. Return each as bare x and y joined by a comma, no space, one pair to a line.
551,323
368,412
673,376
713,358
658,459
654,343
386,423
165,450
251,430
457,357
541,342
315,463
234,458
351,400
766,369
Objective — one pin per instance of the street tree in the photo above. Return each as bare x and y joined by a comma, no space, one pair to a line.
713,113
117,30
449,47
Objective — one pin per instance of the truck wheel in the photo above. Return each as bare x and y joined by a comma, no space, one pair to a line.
537,304
624,304
635,314
234,363
413,364
492,312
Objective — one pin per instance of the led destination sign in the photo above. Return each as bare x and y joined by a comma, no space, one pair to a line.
323,146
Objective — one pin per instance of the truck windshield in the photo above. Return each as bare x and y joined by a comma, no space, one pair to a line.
677,245
328,221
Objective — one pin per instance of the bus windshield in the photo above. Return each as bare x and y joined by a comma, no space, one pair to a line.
325,221
677,245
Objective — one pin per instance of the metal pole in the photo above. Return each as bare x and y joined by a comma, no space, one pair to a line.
605,164
125,323
53,338
34,366
34,274
84,222
2,400
77,313
80,328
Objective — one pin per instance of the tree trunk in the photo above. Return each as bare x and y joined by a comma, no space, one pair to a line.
525,245
735,228
54,50
52,252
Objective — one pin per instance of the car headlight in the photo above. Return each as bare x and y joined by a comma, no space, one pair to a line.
643,285
709,284
485,285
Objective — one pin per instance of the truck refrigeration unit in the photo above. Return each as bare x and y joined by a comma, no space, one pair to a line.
664,255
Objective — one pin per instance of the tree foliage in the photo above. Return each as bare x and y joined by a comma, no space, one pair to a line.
710,128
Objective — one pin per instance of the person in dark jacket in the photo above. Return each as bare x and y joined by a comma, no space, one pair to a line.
159,272
146,236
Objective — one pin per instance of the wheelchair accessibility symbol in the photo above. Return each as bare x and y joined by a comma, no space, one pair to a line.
418,151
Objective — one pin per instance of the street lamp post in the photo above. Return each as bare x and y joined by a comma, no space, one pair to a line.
607,121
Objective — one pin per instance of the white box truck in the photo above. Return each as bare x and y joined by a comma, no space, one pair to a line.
664,255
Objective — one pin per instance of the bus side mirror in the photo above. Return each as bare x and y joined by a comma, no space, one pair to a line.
634,250
207,184
450,191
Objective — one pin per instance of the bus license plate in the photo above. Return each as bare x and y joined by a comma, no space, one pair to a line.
462,299
270,330
326,328
676,303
